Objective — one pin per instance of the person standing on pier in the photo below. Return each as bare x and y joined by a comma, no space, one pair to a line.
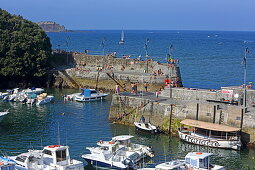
117,89
145,87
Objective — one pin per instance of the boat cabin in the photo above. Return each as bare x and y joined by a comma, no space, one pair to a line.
123,140
198,160
56,154
88,92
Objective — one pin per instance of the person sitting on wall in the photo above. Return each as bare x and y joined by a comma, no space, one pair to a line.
167,82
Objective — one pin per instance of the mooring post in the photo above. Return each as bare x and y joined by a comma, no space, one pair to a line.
170,120
241,123
197,111
214,113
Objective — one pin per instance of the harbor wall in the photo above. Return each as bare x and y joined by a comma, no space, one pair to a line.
85,70
159,111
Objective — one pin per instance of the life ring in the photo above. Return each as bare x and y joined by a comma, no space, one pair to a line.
53,146
111,142
199,153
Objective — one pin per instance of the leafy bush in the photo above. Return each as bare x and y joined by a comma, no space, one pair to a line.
24,48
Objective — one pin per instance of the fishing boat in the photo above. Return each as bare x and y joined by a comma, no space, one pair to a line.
122,41
43,99
53,157
2,115
119,153
7,164
210,134
142,125
194,161
88,95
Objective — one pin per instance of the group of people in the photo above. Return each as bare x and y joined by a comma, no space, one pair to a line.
133,88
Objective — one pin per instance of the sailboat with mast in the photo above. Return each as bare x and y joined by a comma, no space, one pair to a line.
122,41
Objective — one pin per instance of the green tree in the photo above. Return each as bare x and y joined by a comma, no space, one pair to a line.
24,48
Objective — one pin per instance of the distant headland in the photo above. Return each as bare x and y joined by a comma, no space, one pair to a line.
50,26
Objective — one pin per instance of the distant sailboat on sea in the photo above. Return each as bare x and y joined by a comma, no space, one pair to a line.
122,41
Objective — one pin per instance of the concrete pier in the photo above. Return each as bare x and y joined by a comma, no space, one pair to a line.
197,104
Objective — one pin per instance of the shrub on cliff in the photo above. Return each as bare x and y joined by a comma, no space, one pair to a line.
24,48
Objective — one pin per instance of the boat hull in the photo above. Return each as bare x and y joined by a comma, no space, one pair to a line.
140,127
102,164
89,99
48,99
211,142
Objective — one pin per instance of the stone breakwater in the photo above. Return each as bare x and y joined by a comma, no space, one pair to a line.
91,71
199,104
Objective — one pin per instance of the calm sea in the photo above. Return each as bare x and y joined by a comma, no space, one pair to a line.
207,60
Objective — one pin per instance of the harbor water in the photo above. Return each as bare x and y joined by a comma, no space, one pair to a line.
208,59
81,125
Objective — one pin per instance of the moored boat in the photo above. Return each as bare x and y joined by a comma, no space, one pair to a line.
193,160
210,134
7,164
43,99
53,157
89,95
119,153
2,115
145,126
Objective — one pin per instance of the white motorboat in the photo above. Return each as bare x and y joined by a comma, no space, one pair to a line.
145,126
194,161
2,95
89,95
2,115
7,164
43,99
53,157
210,134
119,153
34,90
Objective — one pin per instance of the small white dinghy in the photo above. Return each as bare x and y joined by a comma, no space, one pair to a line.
146,126
53,157
43,99
2,115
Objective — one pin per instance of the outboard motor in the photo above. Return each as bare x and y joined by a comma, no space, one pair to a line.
128,162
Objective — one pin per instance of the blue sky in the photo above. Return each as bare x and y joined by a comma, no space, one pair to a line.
236,15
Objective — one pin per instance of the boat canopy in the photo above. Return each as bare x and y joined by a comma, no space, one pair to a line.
209,126
198,155
86,92
122,137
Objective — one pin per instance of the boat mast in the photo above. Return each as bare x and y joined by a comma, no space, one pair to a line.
246,51
146,54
